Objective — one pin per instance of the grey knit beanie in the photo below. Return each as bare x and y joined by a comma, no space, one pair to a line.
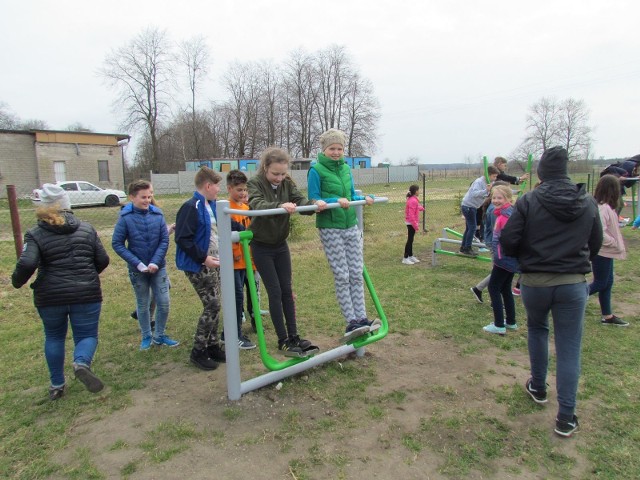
52,194
332,136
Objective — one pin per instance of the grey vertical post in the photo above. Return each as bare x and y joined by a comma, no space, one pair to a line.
360,217
228,301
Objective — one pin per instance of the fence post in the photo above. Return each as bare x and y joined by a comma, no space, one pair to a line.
15,218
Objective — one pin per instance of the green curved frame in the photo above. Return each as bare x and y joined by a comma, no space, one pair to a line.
270,362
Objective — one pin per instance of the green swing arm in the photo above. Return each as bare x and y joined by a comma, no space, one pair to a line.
523,185
270,362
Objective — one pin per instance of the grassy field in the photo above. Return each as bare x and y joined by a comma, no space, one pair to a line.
420,301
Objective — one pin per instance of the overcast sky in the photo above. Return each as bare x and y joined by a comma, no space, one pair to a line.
454,78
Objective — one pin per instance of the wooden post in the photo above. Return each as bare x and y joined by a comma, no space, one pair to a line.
15,218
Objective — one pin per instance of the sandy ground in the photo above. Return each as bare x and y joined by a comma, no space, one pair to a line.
434,375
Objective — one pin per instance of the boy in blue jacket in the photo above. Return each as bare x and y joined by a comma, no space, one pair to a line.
141,239
197,256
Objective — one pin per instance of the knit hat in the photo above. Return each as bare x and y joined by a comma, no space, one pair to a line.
553,164
51,194
331,137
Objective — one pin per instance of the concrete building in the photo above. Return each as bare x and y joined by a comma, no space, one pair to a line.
29,158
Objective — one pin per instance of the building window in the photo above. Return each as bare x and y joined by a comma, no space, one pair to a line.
103,171
60,171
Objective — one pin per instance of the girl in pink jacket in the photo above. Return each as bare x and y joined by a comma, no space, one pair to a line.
607,195
411,211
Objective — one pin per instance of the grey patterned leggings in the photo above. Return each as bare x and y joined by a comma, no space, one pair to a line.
343,248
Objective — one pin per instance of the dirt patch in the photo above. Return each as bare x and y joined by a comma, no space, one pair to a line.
415,379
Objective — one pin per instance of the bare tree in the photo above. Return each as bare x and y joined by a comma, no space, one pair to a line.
362,113
551,123
574,130
543,125
242,83
334,76
271,103
301,80
33,124
8,120
140,73
194,56
78,127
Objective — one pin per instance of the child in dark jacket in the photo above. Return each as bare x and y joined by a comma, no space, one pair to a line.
69,257
504,267
141,239
197,256
271,189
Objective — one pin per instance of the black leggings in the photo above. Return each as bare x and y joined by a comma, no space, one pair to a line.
500,290
274,265
408,247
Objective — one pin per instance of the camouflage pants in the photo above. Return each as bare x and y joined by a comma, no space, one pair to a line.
207,285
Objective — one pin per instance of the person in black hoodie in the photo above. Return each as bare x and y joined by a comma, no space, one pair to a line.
69,258
555,232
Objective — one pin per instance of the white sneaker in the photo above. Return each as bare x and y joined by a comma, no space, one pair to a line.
414,259
407,261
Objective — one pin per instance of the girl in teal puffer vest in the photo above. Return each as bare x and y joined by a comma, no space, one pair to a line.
330,180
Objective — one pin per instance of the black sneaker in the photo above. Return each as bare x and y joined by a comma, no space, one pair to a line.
538,395
477,293
87,377
201,359
615,321
216,353
56,393
290,346
468,252
355,325
134,314
301,342
566,428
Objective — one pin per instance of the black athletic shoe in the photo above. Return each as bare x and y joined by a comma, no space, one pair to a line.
615,321
201,359
300,342
87,377
216,353
290,345
538,395
134,314
477,293
56,393
566,428
469,252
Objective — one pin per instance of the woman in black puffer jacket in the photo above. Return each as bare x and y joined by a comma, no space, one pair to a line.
69,257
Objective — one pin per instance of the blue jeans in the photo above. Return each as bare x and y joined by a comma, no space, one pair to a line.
602,282
470,228
143,284
84,325
567,305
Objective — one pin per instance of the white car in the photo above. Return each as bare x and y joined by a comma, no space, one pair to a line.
85,193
